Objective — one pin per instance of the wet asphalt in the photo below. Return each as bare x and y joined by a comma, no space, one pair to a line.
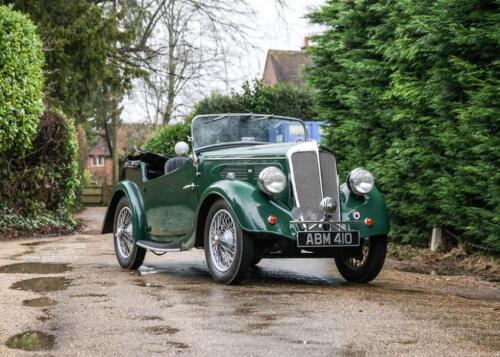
67,296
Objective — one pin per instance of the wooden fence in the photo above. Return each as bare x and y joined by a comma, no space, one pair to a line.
93,196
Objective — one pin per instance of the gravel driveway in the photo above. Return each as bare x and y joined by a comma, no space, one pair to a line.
66,296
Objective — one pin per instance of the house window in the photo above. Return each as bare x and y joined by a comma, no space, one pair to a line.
98,160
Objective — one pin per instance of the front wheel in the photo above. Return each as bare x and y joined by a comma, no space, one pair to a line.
128,254
228,251
364,265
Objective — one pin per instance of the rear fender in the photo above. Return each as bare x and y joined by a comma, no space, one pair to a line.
131,191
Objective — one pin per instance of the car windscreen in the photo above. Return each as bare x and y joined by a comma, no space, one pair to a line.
211,130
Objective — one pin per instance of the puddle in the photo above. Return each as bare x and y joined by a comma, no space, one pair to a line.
149,318
258,325
89,295
306,342
31,341
244,311
48,316
106,283
40,302
146,284
269,317
42,285
34,244
35,268
161,330
178,345
285,292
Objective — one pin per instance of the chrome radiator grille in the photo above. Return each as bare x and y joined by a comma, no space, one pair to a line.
314,177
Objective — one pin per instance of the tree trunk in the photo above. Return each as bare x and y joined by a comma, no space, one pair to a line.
114,140
172,67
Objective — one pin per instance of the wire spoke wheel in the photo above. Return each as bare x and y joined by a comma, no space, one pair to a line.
222,240
123,234
359,260
364,264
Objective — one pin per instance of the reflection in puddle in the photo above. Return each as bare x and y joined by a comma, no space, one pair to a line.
34,268
41,285
40,302
31,341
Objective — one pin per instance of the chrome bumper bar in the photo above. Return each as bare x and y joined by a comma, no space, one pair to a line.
325,222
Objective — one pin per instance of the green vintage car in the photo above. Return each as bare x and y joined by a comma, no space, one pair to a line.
245,192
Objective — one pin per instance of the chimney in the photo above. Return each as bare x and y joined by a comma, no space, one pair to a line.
306,43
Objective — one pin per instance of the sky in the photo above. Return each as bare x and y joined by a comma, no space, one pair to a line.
282,28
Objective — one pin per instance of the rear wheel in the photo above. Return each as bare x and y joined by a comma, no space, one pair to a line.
128,254
228,251
365,265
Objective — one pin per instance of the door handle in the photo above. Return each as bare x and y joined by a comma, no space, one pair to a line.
191,187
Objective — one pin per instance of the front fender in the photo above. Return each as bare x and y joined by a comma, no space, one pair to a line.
371,205
132,192
251,207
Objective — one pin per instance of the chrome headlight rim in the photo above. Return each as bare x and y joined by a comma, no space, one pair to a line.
266,182
361,181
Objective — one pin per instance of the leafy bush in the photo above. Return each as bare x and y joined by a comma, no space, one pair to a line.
12,223
257,97
21,81
165,139
40,187
411,91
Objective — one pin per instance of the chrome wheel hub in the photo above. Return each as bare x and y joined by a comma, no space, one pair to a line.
123,234
222,240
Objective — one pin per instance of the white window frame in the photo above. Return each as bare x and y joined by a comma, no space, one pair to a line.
98,161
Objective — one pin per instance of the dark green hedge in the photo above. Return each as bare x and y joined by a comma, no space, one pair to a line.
257,97
21,81
411,90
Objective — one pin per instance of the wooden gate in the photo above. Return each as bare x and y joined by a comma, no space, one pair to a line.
93,196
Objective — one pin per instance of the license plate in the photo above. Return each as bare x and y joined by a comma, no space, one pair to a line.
310,239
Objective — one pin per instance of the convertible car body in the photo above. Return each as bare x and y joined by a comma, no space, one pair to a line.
244,194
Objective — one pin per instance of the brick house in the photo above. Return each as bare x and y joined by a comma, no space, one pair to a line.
285,67
99,161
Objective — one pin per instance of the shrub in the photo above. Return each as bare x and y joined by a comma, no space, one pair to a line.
21,81
165,139
410,89
41,186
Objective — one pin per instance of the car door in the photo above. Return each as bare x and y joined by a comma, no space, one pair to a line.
170,203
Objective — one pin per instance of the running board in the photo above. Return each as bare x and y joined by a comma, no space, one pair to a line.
159,246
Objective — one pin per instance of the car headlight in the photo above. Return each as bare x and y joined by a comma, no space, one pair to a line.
272,180
361,181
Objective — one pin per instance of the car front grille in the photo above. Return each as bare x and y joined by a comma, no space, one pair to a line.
314,176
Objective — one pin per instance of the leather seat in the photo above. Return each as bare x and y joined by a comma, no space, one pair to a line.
174,163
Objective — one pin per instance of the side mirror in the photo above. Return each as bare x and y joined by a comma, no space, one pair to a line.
181,148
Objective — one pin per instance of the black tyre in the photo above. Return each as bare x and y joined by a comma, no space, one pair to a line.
366,264
228,251
128,254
